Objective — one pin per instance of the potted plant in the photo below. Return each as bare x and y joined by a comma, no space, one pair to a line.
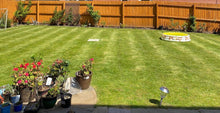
18,106
15,96
84,76
50,99
58,68
7,92
5,108
65,99
32,107
25,77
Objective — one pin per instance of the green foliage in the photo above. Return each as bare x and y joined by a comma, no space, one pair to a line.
94,14
185,27
69,18
21,12
57,17
2,24
201,27
192,23
173,25
122,25
53,92
28,22
8,89
103,23
59,68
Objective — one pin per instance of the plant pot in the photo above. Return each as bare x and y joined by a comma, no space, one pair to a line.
6,97
49,102
5,108
66,100
18,107
14,99
43,91
84,81
25,94
32,107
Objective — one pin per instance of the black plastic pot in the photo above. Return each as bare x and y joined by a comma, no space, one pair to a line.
66,100
32,107
49,102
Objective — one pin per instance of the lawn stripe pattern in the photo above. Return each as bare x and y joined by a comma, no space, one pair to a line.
130,64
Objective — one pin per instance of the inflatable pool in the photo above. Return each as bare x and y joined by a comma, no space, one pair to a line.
176,36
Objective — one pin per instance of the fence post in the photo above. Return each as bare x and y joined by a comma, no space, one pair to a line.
156,15
37,11
63,5
122,13
194,10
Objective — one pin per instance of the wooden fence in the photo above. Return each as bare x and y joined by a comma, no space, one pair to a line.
134,14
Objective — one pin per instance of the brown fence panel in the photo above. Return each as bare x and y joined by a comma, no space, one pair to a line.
130,13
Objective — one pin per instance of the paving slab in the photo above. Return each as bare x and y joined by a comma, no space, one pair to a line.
156,110
118,110
101,110
208,111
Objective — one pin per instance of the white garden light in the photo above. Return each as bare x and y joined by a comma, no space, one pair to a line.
163,93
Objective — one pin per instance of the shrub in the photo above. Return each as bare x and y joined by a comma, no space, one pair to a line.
173,25
2,25
94,14
192,23
201,27
22,12
185,27
57,17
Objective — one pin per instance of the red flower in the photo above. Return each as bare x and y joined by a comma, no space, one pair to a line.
25,67
20,74
27,64
34,66
26,74
21,65
92,59
38,63
33,63
25,81
15,69
83,66
19,81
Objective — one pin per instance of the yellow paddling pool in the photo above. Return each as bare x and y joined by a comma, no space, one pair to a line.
176,36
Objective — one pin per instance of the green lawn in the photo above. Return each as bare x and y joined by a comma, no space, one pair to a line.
130,64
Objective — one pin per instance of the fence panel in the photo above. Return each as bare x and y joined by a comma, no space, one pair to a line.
129,13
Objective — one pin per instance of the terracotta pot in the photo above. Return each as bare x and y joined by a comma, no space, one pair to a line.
84,81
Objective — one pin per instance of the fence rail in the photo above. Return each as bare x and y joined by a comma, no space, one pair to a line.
131,14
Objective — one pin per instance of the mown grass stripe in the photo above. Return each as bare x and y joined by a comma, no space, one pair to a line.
59,53
45,37
11,31
18,46
15,34
20,41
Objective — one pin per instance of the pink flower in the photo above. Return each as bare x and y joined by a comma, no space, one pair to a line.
83,66
34,66
25,81
38,63
19,81
15,69
21,65
27,64
26,74
20,74
92,59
